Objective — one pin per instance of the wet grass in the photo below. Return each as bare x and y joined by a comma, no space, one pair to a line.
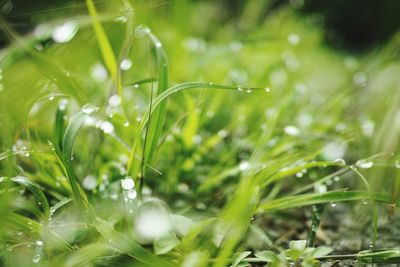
130,145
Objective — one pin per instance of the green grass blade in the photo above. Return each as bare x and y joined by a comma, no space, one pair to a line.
104,44
312,199
71,132
157,123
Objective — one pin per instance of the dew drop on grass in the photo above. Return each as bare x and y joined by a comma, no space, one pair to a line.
89,182
126,123
27,154
128,188
240,88
267,89
244,165
299,174
293,39
107,127
333,204
158,44
114,101
51,97
99,72
39,251
136,85
336,178
340,161
125,64
365,202
364,164
248,90
89,108
291,130
65,32
397,164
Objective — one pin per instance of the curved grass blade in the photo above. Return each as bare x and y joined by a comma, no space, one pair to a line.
34,188
67,145
173,90
312,199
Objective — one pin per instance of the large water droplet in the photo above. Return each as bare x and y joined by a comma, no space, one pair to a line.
125,64
89,182
114,101
89,108
364,164
244,165
127,183
291,130
64,33
340,161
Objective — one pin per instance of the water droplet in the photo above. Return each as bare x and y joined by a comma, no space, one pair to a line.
27,154
360,79
99,72
364,164
158,44
340,161
240,88
248,91
126,123
183,187
107,127
39,251
222,133
127,183
333,204
65,32
126,64
114,101
210,83
397,164
136,85
244,165
299,174
89,109
89,182
267,89
72,157
334,150
336,178
291,130
51,97
293,39
365,202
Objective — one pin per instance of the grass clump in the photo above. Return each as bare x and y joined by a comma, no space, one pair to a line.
109,159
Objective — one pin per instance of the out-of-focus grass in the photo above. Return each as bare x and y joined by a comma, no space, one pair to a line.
301,124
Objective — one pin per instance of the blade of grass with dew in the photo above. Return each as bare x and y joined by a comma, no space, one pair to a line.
105,46
155,128
169,92
36,191
67,144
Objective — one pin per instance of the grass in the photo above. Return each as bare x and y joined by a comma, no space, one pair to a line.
190,156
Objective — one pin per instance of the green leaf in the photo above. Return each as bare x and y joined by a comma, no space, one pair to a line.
239,257
35,189
267,256
165,244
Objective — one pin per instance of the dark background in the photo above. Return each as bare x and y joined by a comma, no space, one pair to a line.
349,24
